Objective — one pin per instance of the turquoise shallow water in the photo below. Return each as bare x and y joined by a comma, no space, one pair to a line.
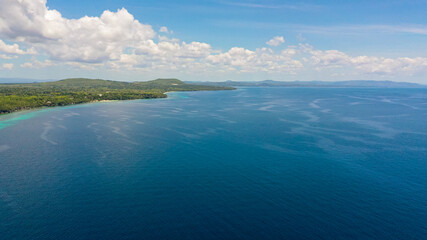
253,163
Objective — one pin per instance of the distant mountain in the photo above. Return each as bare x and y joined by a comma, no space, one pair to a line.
265,83
352,83
24,80
82,84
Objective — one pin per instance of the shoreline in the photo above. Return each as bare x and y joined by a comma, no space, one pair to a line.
98,101
2,115
10,119
75,91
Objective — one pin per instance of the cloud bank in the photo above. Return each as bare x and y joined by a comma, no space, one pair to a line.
116,40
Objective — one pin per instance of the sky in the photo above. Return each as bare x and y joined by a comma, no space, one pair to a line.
214,40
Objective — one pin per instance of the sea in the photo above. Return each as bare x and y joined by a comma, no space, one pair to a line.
253,163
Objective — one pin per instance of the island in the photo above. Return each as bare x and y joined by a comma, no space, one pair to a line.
316,84
16,97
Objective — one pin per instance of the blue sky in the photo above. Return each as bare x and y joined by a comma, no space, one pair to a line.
250,24
323,40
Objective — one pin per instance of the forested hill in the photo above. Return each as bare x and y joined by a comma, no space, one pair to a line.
15,97
87,83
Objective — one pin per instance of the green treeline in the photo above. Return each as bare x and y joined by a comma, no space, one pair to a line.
15,97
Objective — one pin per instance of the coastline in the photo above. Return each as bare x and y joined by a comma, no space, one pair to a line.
2,115
69,105
11,118
75,91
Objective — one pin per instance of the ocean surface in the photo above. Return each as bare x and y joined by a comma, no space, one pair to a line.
254,163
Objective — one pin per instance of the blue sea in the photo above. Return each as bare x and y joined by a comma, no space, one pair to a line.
254,163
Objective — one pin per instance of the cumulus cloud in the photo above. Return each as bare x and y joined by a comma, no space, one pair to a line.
88,39
276,41
381,65
8,66
116,40
37,64
263,59
164,30
365,64
14,49
174,49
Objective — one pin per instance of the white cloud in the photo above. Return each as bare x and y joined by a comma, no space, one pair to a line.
381,65
164,30
167,39
365,64
263,59
165,55
37,64
173,48
8,66
116,40
276,41
6,56
88,39
14,49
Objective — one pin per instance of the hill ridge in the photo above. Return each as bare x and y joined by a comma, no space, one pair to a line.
15,97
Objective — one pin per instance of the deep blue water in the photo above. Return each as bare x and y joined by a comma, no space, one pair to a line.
255,163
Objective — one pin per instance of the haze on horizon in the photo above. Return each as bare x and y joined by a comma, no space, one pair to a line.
214,40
